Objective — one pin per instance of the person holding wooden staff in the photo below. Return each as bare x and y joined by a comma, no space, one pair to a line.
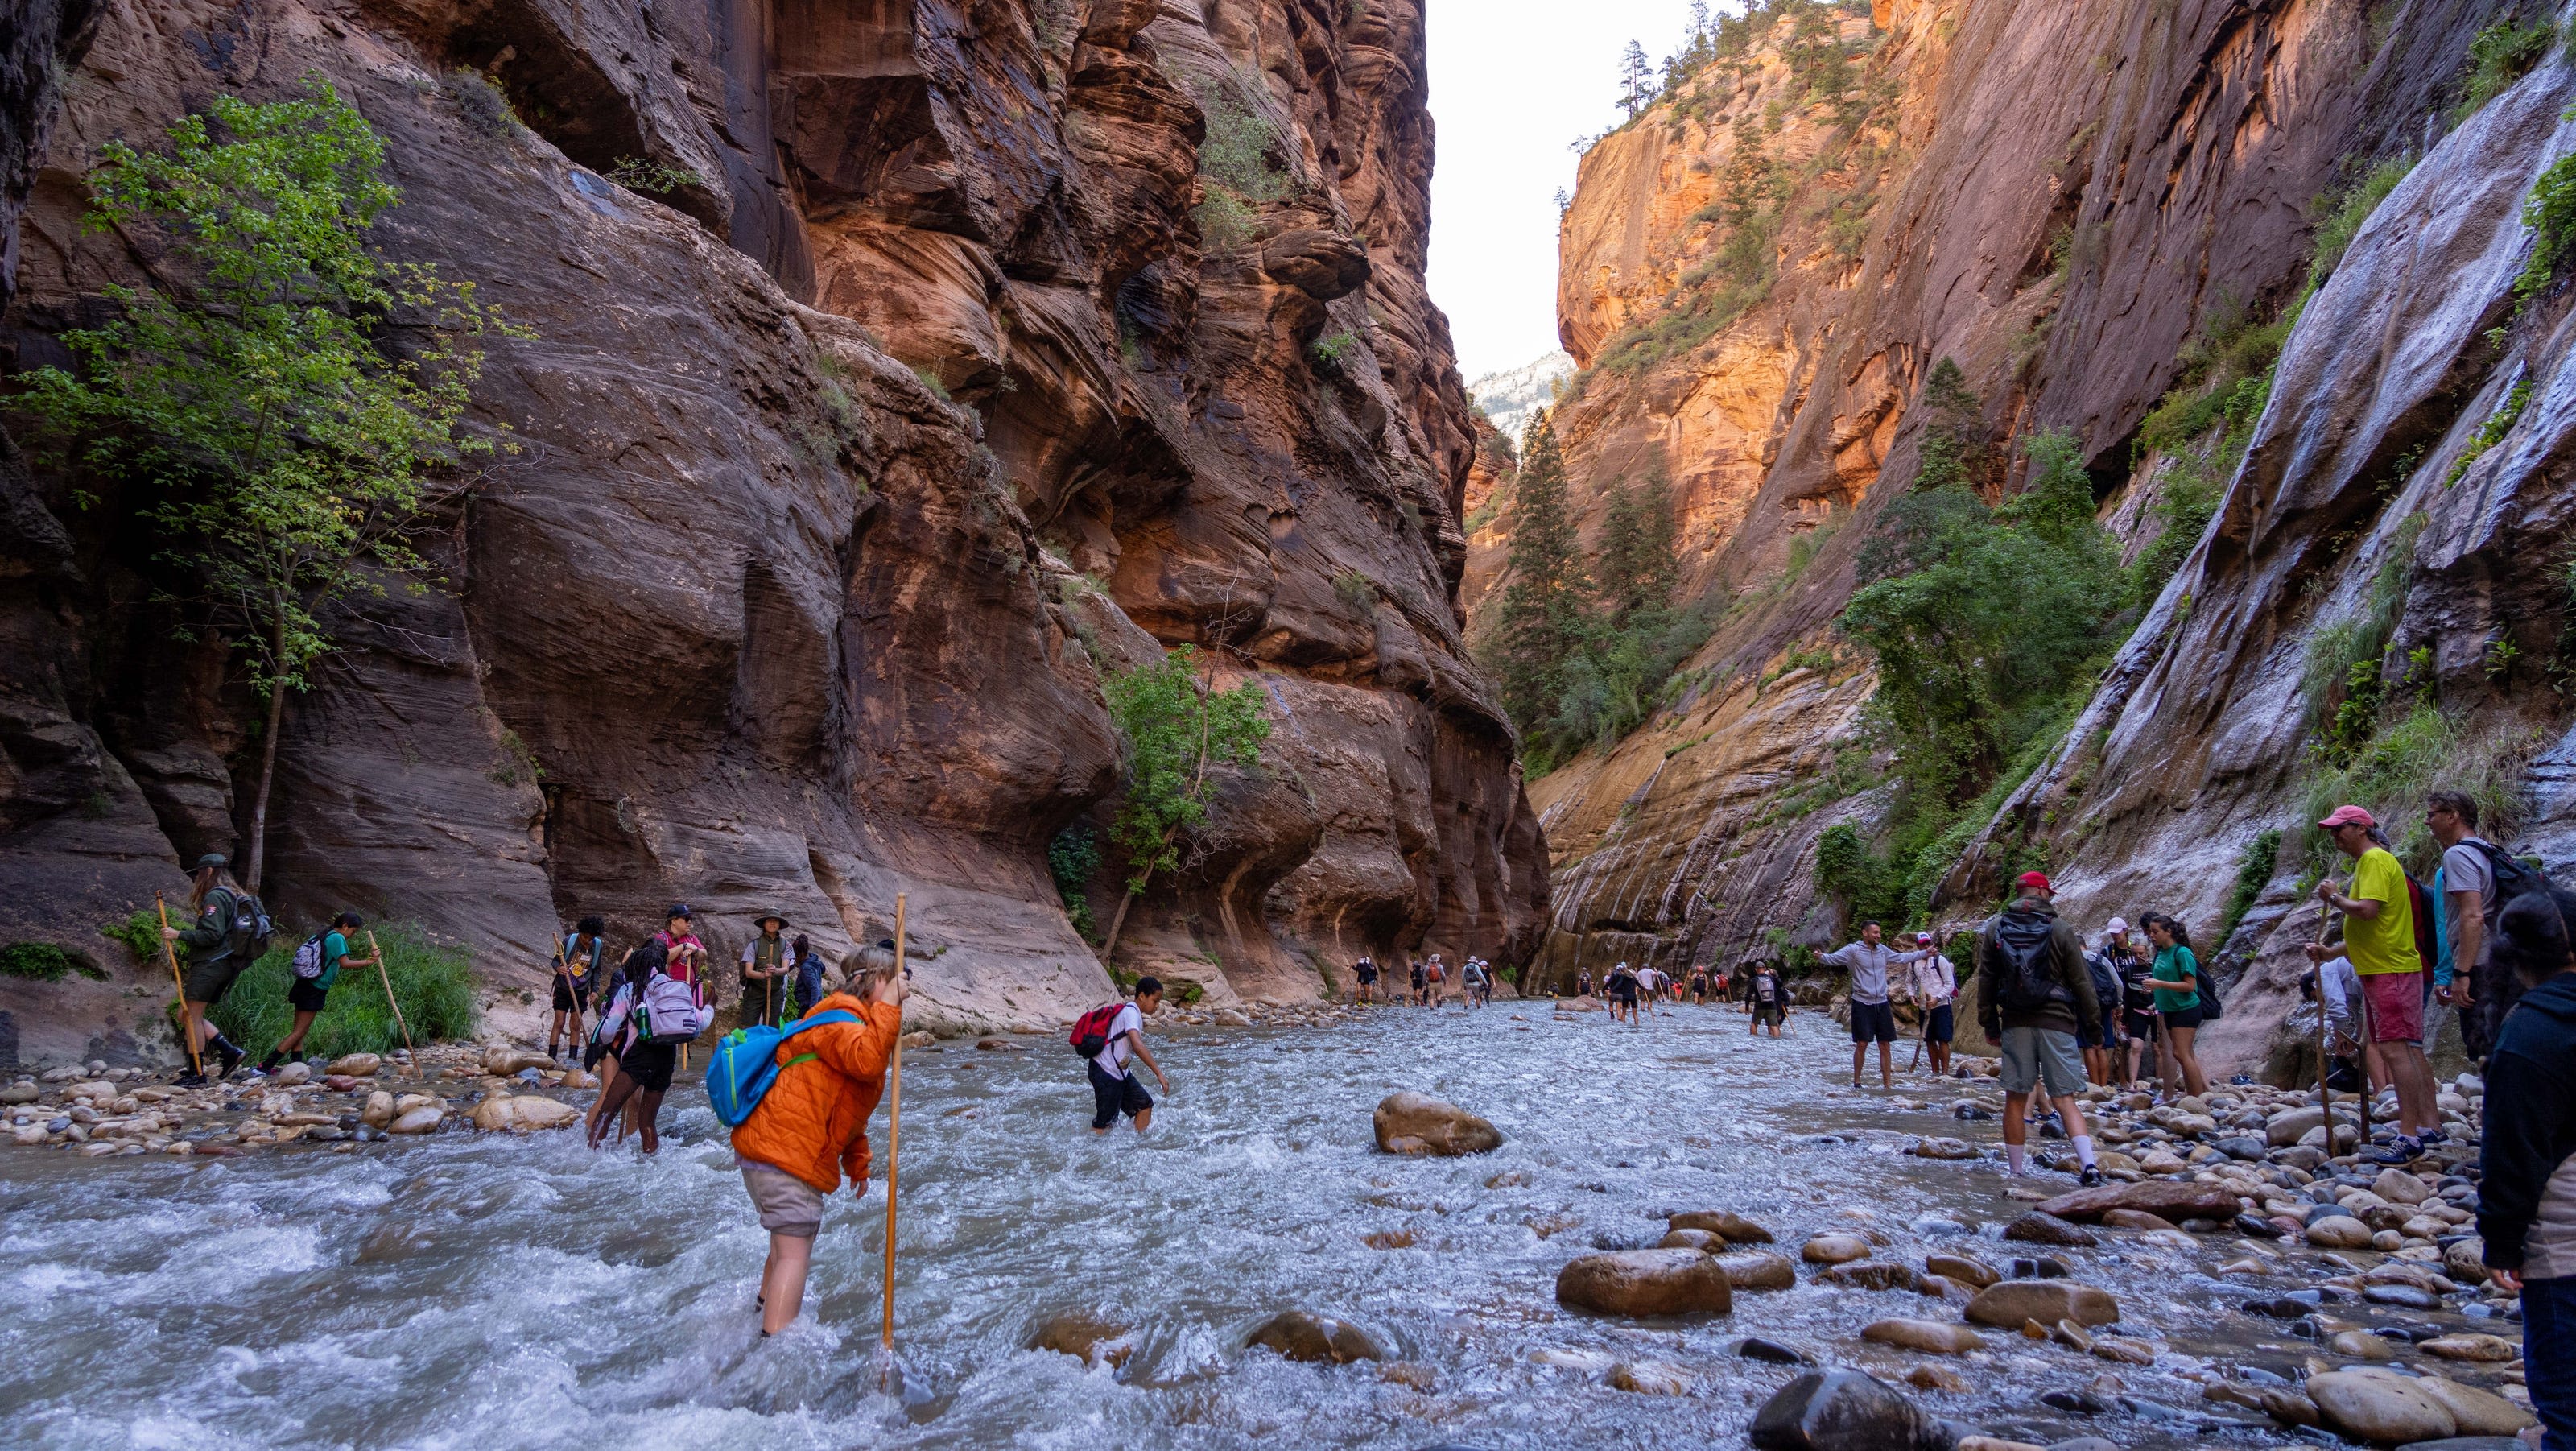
809,1129
222,943
766,962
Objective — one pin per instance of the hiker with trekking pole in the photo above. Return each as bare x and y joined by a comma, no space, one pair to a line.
316,967
654,1014
577,972
766,961
798,1100
231,932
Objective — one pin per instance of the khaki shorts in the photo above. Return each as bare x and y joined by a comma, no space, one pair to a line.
787,1204
209,981
2035,1057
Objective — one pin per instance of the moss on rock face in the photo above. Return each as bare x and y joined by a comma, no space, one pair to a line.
45,962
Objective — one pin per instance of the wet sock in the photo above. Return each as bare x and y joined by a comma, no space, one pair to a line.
2084,1150
2015,1156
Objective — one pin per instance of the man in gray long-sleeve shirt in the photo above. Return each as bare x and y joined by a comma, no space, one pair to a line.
1873,1019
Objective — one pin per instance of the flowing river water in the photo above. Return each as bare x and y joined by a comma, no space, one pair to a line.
492,1291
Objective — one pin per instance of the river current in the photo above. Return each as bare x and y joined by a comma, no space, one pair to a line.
490,1291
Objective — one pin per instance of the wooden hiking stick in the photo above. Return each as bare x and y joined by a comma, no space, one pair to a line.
2325,1063
387,979
187,1029
894,1128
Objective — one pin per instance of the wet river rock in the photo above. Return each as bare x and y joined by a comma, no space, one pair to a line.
1646,1282
1834,1249
2041,1227
1086,1338
2165,1198
1734,1228
1935,1337
1874,1275
2391,1409
1758,1269
2007,1304
1317,1339
1413,1123
1840,1410
1976,1274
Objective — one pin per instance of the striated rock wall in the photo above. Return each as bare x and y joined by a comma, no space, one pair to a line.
849,464
2057,198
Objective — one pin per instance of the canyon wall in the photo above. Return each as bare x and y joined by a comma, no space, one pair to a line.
2061,200
939,377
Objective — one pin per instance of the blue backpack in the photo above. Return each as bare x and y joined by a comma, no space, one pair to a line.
745,1064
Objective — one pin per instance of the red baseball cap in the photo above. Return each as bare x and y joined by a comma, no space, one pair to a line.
2347,816
2038,880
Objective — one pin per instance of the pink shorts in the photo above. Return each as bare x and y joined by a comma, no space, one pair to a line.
2396,1006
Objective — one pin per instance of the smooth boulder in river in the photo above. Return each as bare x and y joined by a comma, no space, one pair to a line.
2390,1410
1319,1339
1839,1410
522,1113
2041,1227
1758,1269
1646,1282
1728,1225
2007,1304
2174,1199
1413,1123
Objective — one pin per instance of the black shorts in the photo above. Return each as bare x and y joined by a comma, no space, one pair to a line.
1939,1025
569,999
2187,1018
2138,1025
1873,1022
1111,1097
305,994
1368,977
650,1065
2088,1035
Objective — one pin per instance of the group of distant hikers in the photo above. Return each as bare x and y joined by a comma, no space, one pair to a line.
1429,981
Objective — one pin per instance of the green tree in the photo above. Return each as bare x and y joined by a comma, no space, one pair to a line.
1540,627
1178,726
280,449
1636,571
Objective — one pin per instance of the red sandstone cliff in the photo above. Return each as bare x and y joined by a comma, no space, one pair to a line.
2059,198
935,390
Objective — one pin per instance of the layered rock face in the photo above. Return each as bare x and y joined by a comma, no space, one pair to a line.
2058,199
932,389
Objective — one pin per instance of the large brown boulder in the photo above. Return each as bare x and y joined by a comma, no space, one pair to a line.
1734,1228
2174,1199
1643,1282
1411,1123
1319,1339
2008,1304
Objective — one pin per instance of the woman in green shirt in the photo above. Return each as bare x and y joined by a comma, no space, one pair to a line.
2176,980
308,994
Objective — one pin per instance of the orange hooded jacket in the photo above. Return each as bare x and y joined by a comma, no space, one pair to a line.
813,1123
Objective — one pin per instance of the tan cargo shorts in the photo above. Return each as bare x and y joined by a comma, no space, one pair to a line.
787,1204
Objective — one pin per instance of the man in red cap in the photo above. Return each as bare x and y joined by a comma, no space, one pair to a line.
2032,992
2379,938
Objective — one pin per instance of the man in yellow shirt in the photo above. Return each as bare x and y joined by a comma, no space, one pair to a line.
2379,937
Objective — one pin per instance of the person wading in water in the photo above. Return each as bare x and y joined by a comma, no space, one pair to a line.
2032,990
766,962
577,974
654,1012
221,944
810,1127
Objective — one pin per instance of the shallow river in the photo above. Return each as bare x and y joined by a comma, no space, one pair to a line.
495,1292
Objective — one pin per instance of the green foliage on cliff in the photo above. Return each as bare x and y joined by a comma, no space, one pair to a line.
1582,654
1071,859
280,437
1178,728
1987,625
2550,211
2500,55
1240,163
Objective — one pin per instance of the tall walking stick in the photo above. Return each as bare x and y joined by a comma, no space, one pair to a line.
2325,1063
387,979
894,1130
187,1027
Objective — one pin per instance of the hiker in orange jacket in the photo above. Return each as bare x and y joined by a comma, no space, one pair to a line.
811,1127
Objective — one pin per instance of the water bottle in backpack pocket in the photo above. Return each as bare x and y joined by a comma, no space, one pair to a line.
745,1066
672,1011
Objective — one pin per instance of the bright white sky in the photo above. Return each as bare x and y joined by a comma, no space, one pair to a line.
1512,83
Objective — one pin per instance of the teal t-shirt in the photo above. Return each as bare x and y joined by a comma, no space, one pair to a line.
334,947
2176,964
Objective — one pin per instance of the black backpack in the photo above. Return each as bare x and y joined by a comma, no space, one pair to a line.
2023,940
2211,1009
247,928
2513,876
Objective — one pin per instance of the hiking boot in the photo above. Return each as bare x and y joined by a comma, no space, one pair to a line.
2091,1177
2403,1152
189,1079
231,1056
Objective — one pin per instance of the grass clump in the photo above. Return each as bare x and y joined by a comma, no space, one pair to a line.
2550,212
1239,166
44,962
435,985
1071,859
2491,432
2253,873
2500,55
2345,211
652,177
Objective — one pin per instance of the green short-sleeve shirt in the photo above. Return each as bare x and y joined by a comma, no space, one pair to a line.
334,947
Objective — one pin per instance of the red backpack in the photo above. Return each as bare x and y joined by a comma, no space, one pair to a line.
1091,1030
2420,904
